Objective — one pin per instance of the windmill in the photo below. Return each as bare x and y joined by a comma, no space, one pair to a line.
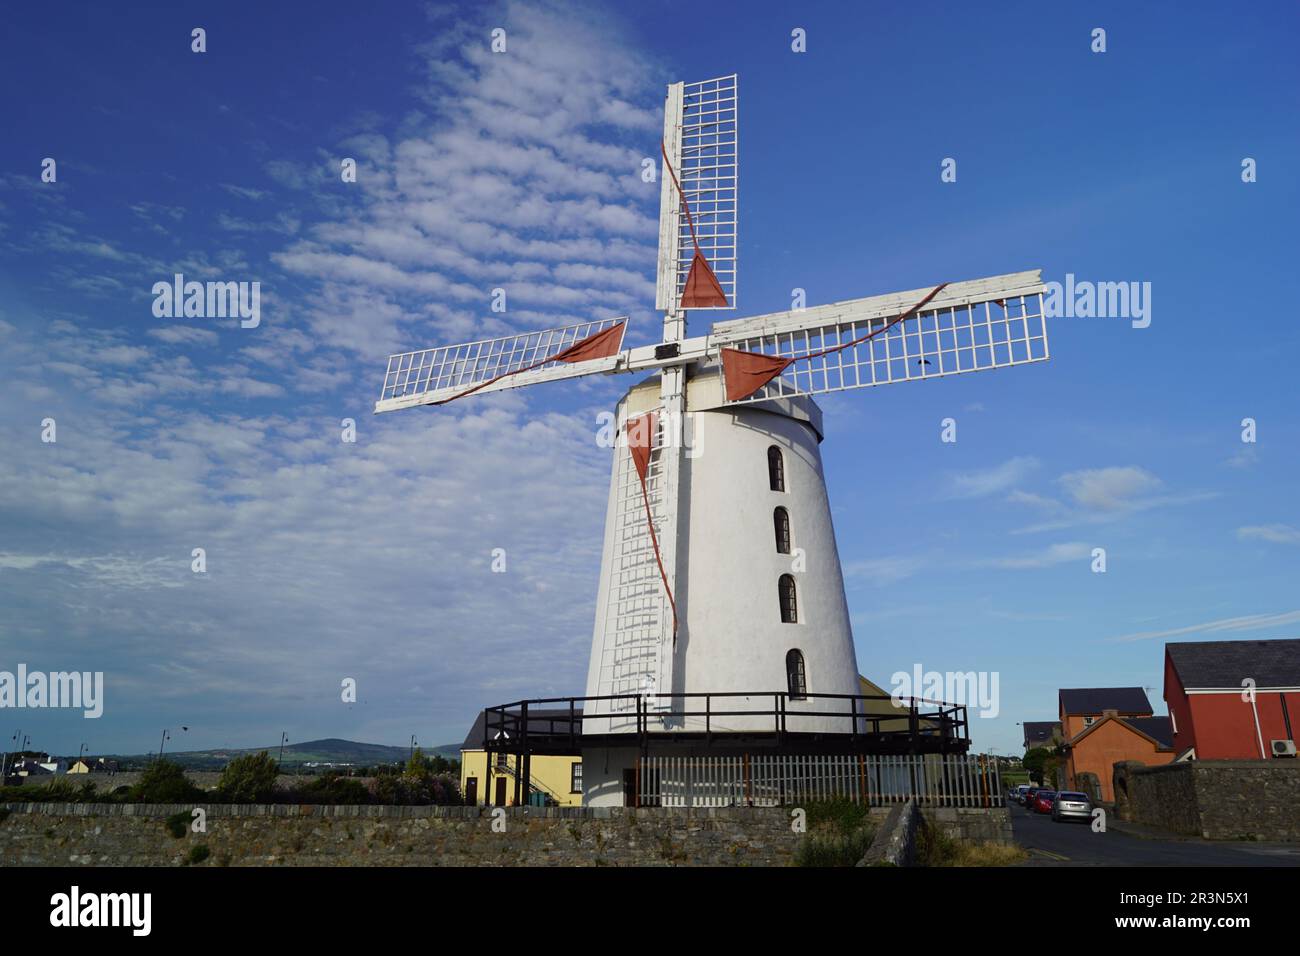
720,573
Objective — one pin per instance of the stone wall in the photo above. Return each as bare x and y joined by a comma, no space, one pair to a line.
895,840
285,835
978,825
1215,799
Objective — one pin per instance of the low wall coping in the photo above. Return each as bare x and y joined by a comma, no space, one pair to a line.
374,812
1281,766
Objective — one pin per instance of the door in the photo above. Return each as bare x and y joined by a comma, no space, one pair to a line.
629,787
501,792
471,791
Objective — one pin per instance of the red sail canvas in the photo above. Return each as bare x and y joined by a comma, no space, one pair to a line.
702,289
747,372
599,345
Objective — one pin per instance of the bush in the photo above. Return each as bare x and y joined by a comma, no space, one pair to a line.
839,813
249,779
834,849
164,781
416,789
330,789
198,854
839,832
177,824
59,790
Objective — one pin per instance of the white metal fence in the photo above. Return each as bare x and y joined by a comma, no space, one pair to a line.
764,780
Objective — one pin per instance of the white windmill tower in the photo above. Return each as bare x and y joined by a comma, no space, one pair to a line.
720,574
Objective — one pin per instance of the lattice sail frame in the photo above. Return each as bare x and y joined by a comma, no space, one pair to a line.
963,329
701,138
636,650
431,375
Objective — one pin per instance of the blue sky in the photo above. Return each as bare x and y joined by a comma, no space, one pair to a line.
371,560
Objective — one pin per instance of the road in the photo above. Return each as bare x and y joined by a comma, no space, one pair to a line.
1075,844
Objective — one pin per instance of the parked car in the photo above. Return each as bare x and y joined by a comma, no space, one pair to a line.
1027,801
1043,800
1018,793
1070,805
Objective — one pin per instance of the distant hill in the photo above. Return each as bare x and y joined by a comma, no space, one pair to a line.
328,750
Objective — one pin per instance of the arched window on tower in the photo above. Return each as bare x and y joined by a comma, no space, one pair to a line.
789,603
781,521
796,677
775,469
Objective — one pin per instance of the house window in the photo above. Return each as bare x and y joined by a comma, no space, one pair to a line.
1088,721
775,469
795,676
781,520
575,777
789,603
501,760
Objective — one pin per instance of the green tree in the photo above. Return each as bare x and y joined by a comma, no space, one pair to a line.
1036,761
249,779
419,763
164,781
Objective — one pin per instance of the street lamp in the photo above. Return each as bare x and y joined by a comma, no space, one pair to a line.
284,738
165,737
412,747
5,762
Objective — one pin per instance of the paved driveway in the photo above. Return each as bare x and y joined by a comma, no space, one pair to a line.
1075,844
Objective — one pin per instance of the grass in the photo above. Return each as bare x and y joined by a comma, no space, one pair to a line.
834,849
839,832
936,848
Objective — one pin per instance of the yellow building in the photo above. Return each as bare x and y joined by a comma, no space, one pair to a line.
889,709
555,780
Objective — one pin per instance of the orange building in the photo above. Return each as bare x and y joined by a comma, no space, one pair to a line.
1102,726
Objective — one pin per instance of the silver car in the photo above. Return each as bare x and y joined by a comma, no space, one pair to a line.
1070,805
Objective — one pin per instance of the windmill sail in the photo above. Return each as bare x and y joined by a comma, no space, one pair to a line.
901,337
438,375
698,213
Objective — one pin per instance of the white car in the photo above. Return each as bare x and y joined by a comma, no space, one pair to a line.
1070,805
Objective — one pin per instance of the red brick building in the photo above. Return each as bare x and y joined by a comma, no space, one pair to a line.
1214,718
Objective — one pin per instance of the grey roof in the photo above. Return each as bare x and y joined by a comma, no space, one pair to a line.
1040,731
1160,729
539,721
1219,664
1095,700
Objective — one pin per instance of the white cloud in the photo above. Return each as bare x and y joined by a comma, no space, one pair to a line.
1052,555
1275,533
1250,622
1108,489
879,572
328,559
980,484
184,335
530,183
